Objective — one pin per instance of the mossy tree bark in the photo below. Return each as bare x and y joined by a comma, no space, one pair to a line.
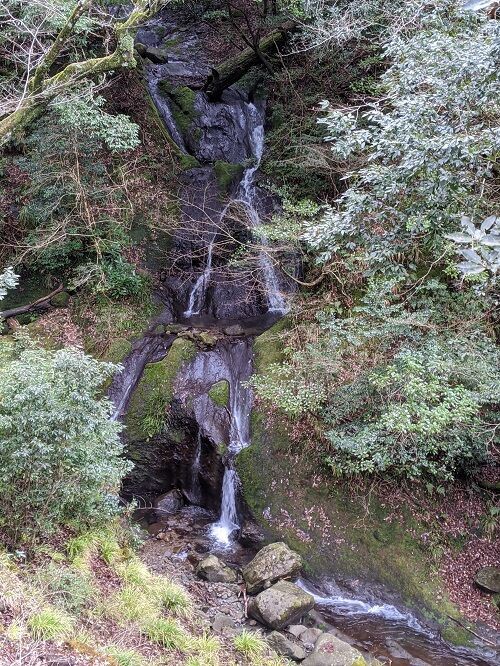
233,69
44,87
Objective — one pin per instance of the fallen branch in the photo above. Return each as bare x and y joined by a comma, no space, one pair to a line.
40,304
481,638
233,69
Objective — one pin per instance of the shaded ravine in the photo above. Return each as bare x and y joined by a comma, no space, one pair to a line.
203,291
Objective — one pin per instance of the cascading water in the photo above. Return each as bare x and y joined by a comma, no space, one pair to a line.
247,195
197,295
239,438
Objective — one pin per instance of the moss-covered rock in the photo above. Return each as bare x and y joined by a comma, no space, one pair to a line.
118,350
147,408
227,174
182,100
60,300
219,393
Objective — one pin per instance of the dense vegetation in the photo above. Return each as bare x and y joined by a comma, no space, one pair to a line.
383,147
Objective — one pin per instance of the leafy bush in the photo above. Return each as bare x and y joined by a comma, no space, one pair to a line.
60,450
419,415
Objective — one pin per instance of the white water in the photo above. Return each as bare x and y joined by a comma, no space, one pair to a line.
246,196
239,438
346,606
197,295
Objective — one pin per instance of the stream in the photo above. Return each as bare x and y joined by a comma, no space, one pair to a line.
203,289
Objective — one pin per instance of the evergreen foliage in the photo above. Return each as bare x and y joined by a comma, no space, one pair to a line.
60,450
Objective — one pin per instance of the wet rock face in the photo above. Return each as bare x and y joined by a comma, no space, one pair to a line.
280,605
269,565
164,462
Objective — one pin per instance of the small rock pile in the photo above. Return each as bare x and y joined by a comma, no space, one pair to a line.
278,603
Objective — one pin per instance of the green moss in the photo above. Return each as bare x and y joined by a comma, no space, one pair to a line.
219,393
146,413
188,162
118,350
182,100
227,174
60,300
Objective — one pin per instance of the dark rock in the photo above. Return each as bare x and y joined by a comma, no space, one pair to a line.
170,502
285,647
488,578
269,565
214,570
280,605
251,535
157,55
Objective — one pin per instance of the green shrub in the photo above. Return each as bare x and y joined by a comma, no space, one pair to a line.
60,450
167,633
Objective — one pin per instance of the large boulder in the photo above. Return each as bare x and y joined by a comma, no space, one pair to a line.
170,502
214,570
488,578
272,563
285,647
280,605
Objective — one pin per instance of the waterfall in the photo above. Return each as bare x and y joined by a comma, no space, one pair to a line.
197,295
239,438
247,196
195,490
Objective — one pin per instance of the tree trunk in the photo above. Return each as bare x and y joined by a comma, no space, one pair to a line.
232,70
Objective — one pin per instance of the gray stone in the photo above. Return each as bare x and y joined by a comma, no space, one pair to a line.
235,329
280,605
272,563
157,55
488,578
214,570
223,624
296,629
310,636
331,651
169,502
285,647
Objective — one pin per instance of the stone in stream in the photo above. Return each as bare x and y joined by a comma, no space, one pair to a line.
272,563
285,647
157,55
214,570
280,605
488,578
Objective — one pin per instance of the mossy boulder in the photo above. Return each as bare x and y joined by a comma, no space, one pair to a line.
227,174
214,570
60,300
182,100
488,578
146,413
219,393
280,605
271,563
